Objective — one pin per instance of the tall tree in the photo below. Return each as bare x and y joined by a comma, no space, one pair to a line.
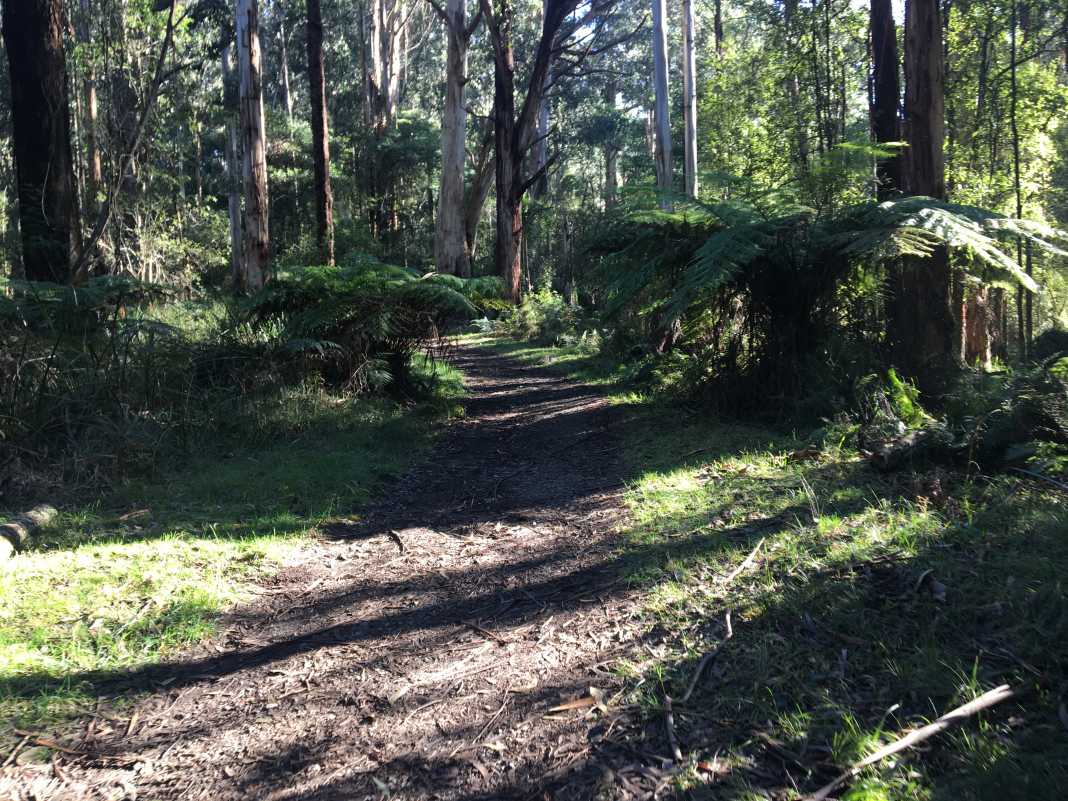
256,253
661,115
232,112
324,196
44,164
689,98
514,132
452,253
925,333
389,24
886,93
94,174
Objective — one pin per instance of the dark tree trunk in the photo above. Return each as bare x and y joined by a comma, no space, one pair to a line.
324,197
508,174
514,133
924,331
44,164
886,93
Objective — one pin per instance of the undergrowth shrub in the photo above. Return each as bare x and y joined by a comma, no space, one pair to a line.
545,317
109,379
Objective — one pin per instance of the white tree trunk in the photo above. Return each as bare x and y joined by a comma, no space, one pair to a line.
388,21
233,160
256,252
661,115
451,253
287,94
689,97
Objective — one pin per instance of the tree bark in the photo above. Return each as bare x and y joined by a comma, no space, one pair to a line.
924,331
661,115
689,97
388,20
886,94
256,251
478,191
513,134
287,94
94,173
231,107
324,196
44,163
451,253
611,153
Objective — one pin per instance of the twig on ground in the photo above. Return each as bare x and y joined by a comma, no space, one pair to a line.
958,715
1052,481
745,565
25,738
669,702
482,733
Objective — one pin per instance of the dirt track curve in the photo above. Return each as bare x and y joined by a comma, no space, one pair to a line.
417,653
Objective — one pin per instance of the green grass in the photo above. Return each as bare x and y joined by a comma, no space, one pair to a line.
142,573
874,604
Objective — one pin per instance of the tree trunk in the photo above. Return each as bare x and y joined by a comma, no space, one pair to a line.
923,328
886,94
324,196
478,191
231,106
388,20
94,174
977,328
689,97
40,115
718,26
451,254
508,165
287,94
661,116
256,251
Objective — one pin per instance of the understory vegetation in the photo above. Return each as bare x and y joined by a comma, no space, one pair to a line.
861,603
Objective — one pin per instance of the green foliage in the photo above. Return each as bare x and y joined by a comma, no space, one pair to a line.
769,295
545,317
359,323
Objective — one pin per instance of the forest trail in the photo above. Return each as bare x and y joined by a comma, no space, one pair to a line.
417,653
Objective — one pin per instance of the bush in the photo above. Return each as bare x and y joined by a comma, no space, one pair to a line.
546,318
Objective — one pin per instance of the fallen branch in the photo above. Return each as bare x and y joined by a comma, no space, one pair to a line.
1052,481
958,715
745,565
669,703
15,534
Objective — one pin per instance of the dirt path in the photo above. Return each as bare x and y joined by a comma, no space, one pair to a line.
415,655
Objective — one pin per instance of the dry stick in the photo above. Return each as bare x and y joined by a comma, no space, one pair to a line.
1040,477
746,563
958,715
669,716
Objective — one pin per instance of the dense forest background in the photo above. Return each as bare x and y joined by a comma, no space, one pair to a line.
750,319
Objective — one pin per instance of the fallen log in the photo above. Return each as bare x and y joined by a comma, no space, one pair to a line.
15,534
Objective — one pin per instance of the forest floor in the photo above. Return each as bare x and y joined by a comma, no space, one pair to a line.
505,621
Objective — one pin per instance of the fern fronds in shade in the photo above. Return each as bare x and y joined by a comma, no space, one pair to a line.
354,319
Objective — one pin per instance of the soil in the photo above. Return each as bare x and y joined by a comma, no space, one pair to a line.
444,646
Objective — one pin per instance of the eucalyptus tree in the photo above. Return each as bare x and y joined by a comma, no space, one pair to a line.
452,249
661,116
256,251
41,132
324,196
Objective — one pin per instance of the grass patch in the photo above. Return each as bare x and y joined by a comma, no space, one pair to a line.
144,572
875,603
